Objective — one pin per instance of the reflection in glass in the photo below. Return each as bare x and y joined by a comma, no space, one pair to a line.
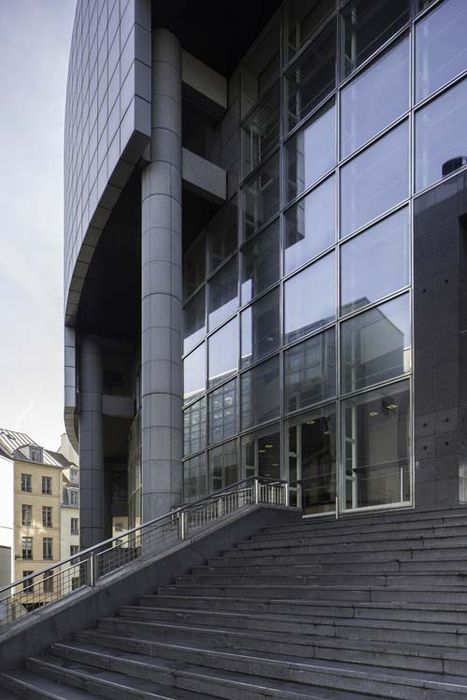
260,328
310,298
194,427
194,373
440,45
221,234
260,131
303,18
366,26
223,412
195,480
310,371
312,446
311,152
260,263
260,393
375,180
376,262
261,197
223,294
260,68
312,77
310,225
441,136
194,321
376,447
223,352
194,266
376,345
223,466
261,453
375,98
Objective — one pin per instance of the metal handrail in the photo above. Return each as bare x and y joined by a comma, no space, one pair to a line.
83,569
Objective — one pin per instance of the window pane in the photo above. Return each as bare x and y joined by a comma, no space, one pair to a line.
314,439
312,77
260,131
303,18
441,136
261,68
366,26
376,262
223,294
223,466
260,328
221,233
377,462
260,263
441,48
261,453
376,345
194,427
223,352
194,321
223,412
260,393
375,180
261,197
194,373
195,478
310,371
311,152
194,266
310,298
310,225
375,98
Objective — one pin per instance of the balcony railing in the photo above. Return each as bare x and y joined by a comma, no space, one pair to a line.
85,569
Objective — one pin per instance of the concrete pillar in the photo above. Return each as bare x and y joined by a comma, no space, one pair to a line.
162,285
91,444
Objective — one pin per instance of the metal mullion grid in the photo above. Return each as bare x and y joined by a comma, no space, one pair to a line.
412,85
340,463
283,462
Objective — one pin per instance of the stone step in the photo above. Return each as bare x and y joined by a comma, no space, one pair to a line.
431,579
32,686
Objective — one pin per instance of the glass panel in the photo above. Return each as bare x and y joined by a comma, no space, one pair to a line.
194,321
375,98
310,298
367,25
315,437
375,180
260,328
441,136
303,18
223,352
194,266
441,48
376,345
194,373
376,262
310,225
222,235
312,77
223,412
260,263
260,131
261,453
223,294
376,442
223,466
260,68
260,393
310,371
195,478
194,427
311,152
261,197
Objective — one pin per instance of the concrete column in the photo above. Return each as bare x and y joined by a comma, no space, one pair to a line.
162,285
91,444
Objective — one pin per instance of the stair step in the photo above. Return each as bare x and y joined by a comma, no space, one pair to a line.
33,686
411,580
455,567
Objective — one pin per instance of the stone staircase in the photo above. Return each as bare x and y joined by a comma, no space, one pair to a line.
369,606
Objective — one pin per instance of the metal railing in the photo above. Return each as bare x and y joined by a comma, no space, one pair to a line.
86,568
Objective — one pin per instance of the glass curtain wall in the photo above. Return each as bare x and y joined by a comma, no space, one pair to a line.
300,336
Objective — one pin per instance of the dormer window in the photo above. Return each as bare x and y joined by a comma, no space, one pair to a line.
35,454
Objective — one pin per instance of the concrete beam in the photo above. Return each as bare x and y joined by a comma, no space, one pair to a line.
203,81
204,177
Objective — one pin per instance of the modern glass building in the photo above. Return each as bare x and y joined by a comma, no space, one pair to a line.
265,253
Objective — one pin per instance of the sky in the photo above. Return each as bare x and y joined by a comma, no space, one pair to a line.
35,39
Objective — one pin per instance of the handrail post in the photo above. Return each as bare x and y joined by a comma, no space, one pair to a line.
182,526
287,493
91,571
256,490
